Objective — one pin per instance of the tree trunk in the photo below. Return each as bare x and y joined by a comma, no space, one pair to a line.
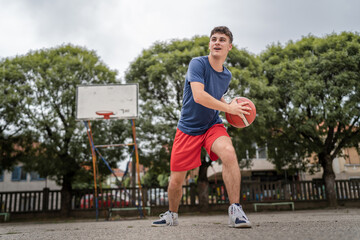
203,187
329,179
66,196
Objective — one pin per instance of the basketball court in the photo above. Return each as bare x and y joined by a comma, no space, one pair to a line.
284,225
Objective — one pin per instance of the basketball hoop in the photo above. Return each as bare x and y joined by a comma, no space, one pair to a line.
106,114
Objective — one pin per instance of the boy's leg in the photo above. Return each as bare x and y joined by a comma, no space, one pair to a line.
175,190
224,149
170,218
185,155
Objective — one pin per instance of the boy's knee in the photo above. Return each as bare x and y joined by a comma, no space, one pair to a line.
228,153
176,180
175,184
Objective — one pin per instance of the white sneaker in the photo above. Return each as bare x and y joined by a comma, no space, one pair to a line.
237,217
166,219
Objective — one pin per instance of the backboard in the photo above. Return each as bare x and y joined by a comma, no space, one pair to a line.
119,99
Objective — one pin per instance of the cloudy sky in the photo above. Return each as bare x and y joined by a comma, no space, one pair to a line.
118,30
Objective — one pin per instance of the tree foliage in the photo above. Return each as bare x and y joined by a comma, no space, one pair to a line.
15,144
316,102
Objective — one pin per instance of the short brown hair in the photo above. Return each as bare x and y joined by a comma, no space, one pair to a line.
223,30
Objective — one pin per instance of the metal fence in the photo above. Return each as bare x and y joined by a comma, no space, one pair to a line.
46,200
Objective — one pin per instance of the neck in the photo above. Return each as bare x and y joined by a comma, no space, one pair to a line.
216,63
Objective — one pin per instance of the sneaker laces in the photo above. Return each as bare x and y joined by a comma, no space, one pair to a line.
168,217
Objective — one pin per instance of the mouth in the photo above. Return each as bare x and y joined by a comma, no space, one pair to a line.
217,48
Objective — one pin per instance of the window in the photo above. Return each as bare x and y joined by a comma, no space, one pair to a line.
257,152
262,152
34,176
18,174
1,176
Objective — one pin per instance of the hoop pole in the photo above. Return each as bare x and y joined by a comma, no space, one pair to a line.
89,132
137,163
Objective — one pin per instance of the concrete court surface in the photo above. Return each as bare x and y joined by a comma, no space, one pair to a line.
324,224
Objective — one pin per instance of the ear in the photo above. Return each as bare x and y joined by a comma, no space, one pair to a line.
230,46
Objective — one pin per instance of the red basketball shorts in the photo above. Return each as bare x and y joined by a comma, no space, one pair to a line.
186,151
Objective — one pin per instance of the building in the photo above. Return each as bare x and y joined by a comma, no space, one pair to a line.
346,167
261,170
111,180
19,180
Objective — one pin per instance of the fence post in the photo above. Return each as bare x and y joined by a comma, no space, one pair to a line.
192,193
145,197
46,192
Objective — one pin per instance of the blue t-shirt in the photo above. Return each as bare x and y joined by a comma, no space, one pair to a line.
196,119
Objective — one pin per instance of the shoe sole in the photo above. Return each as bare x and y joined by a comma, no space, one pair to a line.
158,225
242,225
163,225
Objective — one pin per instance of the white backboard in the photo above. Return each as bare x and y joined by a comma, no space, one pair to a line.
121,99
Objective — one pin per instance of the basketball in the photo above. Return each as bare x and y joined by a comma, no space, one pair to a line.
239,122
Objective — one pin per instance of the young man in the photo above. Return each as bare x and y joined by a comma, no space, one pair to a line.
199,126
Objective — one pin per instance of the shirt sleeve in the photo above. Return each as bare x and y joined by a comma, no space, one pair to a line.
196,71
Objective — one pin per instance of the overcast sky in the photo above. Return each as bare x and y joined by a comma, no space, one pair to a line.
119,30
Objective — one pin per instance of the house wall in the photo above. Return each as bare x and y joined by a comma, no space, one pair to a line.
351,156
9,185
345,167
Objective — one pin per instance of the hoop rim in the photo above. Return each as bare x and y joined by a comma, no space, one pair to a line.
105,113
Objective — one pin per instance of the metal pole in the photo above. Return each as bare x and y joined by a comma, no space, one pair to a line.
94,167
137,164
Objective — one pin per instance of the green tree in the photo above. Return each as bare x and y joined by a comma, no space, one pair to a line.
15,144
163,180
149,179
316,102
160,72
46,107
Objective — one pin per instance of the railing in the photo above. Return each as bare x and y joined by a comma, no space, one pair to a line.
218,194
298,191
30,201
348,190
109,197
280,191
46,200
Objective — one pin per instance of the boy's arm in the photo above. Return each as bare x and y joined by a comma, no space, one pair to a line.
223,100
205,99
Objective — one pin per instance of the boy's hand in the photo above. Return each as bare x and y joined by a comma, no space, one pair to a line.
239,108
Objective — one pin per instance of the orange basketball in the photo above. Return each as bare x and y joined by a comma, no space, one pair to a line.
239,122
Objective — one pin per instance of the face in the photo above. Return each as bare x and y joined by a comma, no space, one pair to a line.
219,45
